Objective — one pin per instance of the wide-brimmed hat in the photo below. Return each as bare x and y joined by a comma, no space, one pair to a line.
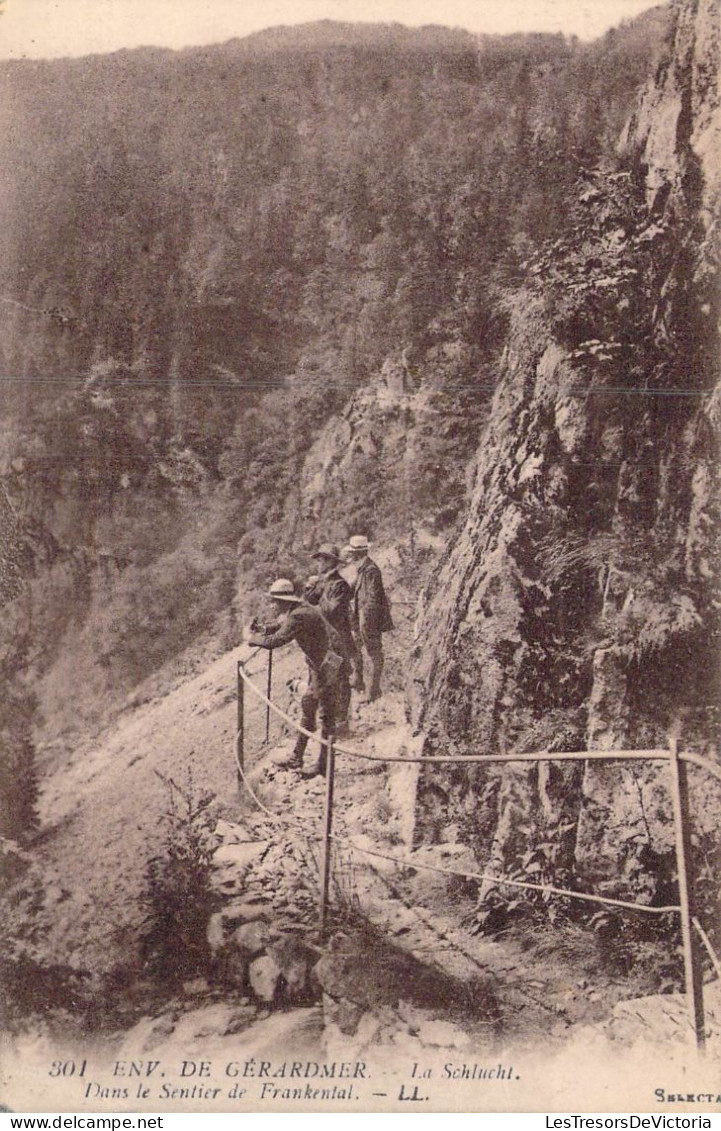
359,542
327,550
284,590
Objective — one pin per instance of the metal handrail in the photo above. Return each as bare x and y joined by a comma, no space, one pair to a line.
679,792
524,884
709,948
703,763
656,755
464,759
420,865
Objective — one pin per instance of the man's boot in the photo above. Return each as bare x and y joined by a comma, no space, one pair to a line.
322,765
293,761
313,771
376,666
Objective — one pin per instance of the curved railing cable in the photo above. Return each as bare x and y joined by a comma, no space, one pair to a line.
523,884
463,759
483,876
672,755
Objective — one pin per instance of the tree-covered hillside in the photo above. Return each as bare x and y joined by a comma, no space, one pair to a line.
204,255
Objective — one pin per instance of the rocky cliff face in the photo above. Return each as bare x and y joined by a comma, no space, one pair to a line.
675,131
394,460
578,605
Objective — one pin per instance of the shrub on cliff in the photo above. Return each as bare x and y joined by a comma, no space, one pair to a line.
177,899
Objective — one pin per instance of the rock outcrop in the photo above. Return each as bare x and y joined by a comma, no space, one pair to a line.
577,607
266,890
676,130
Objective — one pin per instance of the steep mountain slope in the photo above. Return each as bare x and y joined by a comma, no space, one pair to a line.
232,334
204,255
578,606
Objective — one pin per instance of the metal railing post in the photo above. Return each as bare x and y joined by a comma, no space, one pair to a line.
268,694
678,762
327,842
691,962
240,728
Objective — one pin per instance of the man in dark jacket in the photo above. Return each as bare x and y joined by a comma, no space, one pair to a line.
331,593
299,621
370,612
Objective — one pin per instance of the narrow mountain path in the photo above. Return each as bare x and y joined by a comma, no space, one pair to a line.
102,810
102,821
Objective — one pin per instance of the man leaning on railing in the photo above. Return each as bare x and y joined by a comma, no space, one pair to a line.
301,622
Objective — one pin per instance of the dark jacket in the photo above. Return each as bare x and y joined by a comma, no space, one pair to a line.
371,609
332,595
306,626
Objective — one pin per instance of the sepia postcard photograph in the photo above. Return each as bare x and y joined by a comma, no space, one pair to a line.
359,556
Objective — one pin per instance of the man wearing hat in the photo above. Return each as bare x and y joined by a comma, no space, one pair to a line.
299,621
370,611
332,595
